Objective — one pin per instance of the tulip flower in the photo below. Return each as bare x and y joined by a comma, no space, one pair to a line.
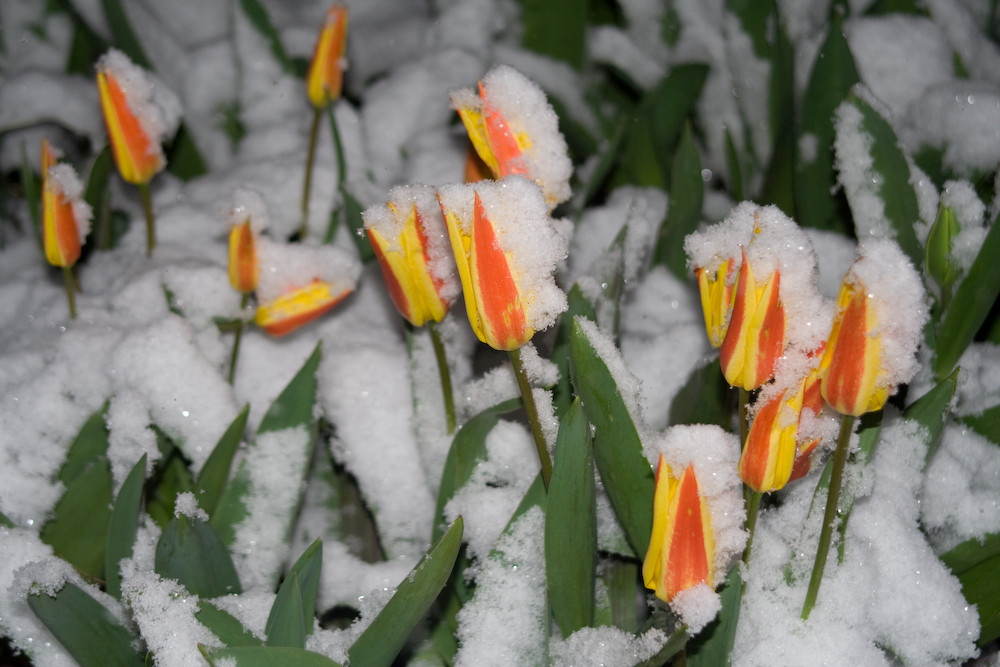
516,132
716,290
756,333
411,243
297,307
681,551
65,218
136,123
244,269
323,86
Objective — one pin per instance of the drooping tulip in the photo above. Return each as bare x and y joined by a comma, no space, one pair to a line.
410,240
299,306
681,551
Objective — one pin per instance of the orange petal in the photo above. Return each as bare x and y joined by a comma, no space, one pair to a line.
689,545
325,78
769,453
290,311
850,365
136,154
60,235
504,143
756,333
243,267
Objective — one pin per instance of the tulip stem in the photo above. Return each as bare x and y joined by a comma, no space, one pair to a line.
307,179
236,340
338,152
70,291
445,373
529,406
830,515
147,207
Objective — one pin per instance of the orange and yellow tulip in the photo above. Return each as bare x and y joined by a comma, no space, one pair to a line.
137,152
756,333
299,306
326,71
65,216
244,269
417,274
717,293
681,550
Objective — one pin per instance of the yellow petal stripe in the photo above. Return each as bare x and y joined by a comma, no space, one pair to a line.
325,78
136,154
290,311
60,235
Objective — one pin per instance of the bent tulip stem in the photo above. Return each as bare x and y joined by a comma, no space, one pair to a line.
147,207
830,516
307,179
70,291
532,410
236,341
445,374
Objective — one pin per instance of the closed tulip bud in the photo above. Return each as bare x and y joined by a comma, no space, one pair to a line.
243,267
716,290
681,551
756,333
411,243
326,71
65,215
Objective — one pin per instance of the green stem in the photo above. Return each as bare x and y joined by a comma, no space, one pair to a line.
147,207
236,339
532,410
445,375
830,515
338,151
307,180
70,291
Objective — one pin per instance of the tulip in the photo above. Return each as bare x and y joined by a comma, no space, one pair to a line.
65,216
244,270
756,333
418,269
300,305
681,550
716,299
326,70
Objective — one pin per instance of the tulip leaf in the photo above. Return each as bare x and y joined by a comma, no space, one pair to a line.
5,522
32,194
687,190
571,525
381,641
294,608
890,168
97,193
468,448
675,644
611,150
832,77
628,477
294,406
974,299
184,160
78,529
171,477
562,393
976,563
704,398
223,625
213,476
86,629
566,43
90,443
986,424
931,411
259,19
713,645
351,211
265,656
123,526
122,35
734,169
191,551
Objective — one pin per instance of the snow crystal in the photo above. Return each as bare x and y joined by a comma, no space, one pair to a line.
285,267
66,185
856,173
129,435
606,646
187,505
157,108
697,606
249,204
628,386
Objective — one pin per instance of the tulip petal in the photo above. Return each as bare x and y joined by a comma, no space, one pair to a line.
325,78
244,269
60,235
851,365
290,311
137,156
769,454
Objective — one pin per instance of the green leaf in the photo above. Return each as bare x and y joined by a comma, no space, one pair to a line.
352,215
98,195
191,551
171,477
294,608
713,645
214,474
779,181
686,195
704,398
628,477
734,168
90,444
78,529
833,75
890,167
122,34
265,656
260,20
32,194
184,160
294,406
562,393
5,522
85,628
123,526
384,638
974,298
571,525
224,626
467,449
931,411
565,44
941,267
987,424
976,563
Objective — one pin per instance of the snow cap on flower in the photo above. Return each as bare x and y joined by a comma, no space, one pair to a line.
507,249
689,555
515,131
299,283
880,314
410,241
326,71
139,113
65,215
